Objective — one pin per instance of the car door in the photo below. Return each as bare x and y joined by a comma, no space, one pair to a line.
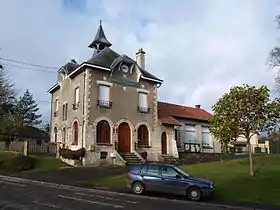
151,178
171,181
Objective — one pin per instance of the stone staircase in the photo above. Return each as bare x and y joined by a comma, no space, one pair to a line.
169,159
131,158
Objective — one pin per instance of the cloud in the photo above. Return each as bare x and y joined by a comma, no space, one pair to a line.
199,48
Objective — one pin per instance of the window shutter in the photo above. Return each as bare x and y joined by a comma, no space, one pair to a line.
77,95
104,93
143,100
63,112
66,106
56,105
190,134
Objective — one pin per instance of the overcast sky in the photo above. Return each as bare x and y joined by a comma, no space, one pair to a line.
198,47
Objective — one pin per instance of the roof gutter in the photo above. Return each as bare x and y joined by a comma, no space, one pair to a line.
87,65
53,88
154,80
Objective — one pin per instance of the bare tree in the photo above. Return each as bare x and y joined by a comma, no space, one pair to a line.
274,58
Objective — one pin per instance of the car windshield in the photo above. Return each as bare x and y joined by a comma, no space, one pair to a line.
182,172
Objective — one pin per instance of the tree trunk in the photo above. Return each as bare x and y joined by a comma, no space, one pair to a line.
250,158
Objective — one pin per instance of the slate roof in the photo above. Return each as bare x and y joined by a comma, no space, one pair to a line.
174,110
100,38
69,67
107,57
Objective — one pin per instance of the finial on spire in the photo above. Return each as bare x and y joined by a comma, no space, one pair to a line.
100,41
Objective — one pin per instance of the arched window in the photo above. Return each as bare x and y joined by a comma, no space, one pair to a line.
103,132
75,133
63,135
143,135
55,134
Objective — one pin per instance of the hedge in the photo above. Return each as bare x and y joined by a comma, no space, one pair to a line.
72,154
258,150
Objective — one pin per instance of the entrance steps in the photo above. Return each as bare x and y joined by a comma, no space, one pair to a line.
131,158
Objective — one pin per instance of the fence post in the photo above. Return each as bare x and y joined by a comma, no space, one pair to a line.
57,150
25,148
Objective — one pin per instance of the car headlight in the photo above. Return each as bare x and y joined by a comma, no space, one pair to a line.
211,186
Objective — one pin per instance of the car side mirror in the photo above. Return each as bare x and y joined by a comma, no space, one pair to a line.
178,177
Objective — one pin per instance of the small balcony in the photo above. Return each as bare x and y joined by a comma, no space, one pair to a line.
55,114
144,110
104,104
75,106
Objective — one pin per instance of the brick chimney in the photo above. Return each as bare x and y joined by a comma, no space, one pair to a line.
140,58
197,106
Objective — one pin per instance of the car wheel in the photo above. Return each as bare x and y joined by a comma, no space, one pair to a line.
194,194
138,188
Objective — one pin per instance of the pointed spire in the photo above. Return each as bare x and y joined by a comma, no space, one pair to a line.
100,41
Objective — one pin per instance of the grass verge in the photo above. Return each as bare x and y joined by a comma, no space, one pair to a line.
11,162
231,178
6,155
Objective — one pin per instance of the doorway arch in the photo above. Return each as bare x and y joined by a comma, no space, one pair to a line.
163,143
124,138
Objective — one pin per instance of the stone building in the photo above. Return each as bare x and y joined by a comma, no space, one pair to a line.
109,106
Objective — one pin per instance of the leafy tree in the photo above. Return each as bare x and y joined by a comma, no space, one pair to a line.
27,110
225,132
243,112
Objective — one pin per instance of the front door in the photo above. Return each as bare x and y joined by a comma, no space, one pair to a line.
163,144
124,137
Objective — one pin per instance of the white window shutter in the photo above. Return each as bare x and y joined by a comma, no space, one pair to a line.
104,93
143,100
77,95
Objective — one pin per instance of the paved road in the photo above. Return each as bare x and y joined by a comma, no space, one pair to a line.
25,194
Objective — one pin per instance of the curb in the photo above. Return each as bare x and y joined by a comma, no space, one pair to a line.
69,187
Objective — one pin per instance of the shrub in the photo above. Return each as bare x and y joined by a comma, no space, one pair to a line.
70,154
258,150
18,163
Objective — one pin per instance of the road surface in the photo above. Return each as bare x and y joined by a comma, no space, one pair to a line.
16,193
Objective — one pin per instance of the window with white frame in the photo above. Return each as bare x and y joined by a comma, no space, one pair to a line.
206,137
77,95
56,108
56,105
142,102
104,96
64,111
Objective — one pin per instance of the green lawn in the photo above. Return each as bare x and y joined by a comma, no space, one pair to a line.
41,163
232,180
6,155
46,164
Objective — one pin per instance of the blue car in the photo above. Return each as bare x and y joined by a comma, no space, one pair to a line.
168,179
